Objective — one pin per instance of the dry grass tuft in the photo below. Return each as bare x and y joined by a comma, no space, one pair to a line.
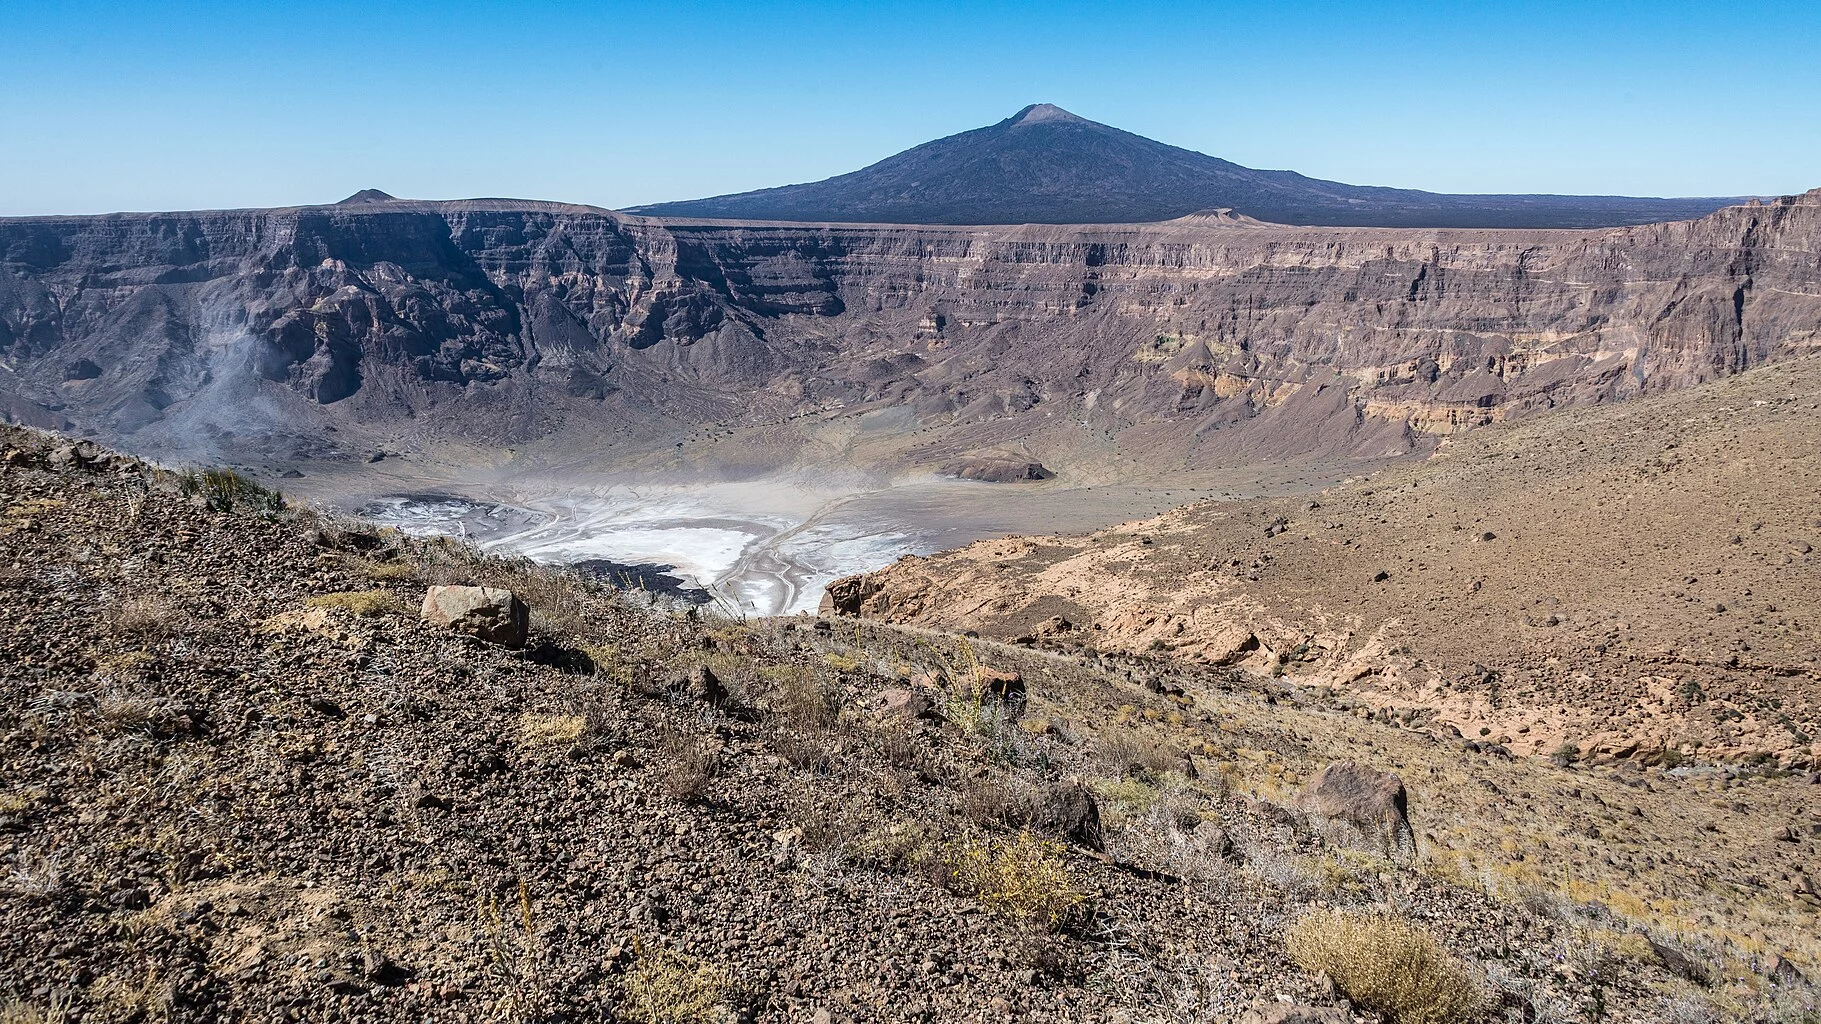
667,987
535,730
693,766
401,569
843,663
1135,752
148,615
802,699
359,602
1388,965
16,1011
127,713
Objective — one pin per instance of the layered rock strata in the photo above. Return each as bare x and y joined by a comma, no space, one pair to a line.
258,330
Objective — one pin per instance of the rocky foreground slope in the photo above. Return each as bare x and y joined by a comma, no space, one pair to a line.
244,780
275,337
1632,581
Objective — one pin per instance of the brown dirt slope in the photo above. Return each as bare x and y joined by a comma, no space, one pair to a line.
1632,580
240,780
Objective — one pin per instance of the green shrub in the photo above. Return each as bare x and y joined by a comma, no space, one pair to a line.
223,489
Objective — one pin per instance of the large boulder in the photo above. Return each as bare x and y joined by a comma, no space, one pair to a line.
848,595
1068,809
1373,800
490,613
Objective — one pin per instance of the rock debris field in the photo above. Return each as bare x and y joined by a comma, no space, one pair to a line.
244,779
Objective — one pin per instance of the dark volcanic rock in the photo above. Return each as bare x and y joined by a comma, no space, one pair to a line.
1366,797
1044,165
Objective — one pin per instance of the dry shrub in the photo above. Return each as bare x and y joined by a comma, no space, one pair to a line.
562,602
1023,877
1162,841
813,752
536,730
1004,801
148,614
1132,752
667,987
693,765
905,749
156,717
359,602
801,699
125,713
401,569
1388,965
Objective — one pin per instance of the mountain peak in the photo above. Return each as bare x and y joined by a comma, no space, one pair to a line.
367,195
1070,170
1037,113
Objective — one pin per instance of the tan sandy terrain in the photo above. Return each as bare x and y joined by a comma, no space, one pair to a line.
1636,580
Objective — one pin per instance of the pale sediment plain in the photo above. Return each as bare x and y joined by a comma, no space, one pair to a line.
767,546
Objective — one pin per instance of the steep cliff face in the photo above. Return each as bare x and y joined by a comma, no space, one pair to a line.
1215,336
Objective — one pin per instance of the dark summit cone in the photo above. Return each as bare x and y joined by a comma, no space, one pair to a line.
367,195
1044,165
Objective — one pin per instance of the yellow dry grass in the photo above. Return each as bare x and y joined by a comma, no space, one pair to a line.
366,603
667,987
1388,965
536,730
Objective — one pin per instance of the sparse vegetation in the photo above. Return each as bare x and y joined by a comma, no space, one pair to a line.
799,808
667,987
1388,965
148,615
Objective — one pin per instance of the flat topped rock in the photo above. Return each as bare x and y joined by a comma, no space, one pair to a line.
990,469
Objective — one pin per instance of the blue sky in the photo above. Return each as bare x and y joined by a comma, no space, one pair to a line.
167,105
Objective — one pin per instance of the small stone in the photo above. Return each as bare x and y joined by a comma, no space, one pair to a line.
899,703
704,686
